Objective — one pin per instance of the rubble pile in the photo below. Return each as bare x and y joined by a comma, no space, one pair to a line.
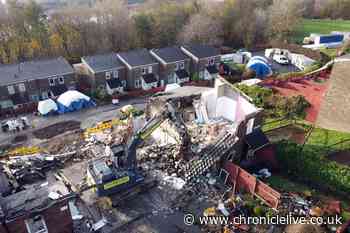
164,158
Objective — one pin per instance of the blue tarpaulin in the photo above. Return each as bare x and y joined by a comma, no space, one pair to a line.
71,101
261,68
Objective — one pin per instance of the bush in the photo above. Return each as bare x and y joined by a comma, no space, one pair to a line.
309,165
276,105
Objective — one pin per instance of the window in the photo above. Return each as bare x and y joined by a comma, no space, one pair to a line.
143,70
211,61
44,95
61,80
137,83
11,90
201,75
182,65
176,66
21,87
52,81
171,78
36,225
108,75
115,74
150,69
34,98
124,83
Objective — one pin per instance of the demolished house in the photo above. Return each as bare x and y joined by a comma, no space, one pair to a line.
38,208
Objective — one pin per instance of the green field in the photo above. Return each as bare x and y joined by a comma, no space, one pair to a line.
323,26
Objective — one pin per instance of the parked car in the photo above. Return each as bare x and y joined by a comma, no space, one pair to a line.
281,59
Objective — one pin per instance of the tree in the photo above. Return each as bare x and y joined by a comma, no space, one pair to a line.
143,26
284,16
202,28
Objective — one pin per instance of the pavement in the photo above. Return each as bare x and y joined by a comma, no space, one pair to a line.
87,117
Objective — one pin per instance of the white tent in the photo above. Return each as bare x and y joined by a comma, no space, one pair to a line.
69,97
71,101
47,106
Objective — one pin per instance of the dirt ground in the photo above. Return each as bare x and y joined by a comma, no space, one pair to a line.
56,129
342,157
291,132
311,90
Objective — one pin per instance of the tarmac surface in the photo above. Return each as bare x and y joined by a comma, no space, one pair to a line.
87,117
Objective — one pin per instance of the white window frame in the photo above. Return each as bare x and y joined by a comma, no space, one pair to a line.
176,66
21,87
108,75
211,61
137,83
11,90
51,82
182,65
150,69
46,96
115,74
123,83
45,230
143,70
61,80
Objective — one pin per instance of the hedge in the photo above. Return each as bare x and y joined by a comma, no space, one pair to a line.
309,165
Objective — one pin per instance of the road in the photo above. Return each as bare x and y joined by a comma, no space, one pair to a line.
87,117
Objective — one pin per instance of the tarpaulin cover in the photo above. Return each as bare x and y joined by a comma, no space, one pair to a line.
71,101
261,68
46,107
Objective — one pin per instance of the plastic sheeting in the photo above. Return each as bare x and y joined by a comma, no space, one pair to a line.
71,101
46,107
261,68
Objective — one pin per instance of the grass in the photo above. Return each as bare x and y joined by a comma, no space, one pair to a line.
323,26
274,123
325,137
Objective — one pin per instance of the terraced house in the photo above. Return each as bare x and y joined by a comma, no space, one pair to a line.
142,70
24,84
174,65
205,60
106,71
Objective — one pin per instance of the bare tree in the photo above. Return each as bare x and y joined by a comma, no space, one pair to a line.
284,17
202,28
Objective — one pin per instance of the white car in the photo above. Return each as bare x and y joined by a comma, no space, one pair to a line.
281,59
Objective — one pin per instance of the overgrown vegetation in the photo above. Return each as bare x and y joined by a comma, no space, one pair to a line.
276,105
309,165
26,32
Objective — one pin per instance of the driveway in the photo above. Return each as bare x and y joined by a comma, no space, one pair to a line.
87,117
277,68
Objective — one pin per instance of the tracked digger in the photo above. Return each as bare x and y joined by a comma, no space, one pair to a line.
118,176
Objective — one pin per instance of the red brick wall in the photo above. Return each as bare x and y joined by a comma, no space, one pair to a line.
57,218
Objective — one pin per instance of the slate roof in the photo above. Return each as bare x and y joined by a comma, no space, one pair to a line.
149,78
34,70
202,51
114,83
138,57
103,62
170,54
181,74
